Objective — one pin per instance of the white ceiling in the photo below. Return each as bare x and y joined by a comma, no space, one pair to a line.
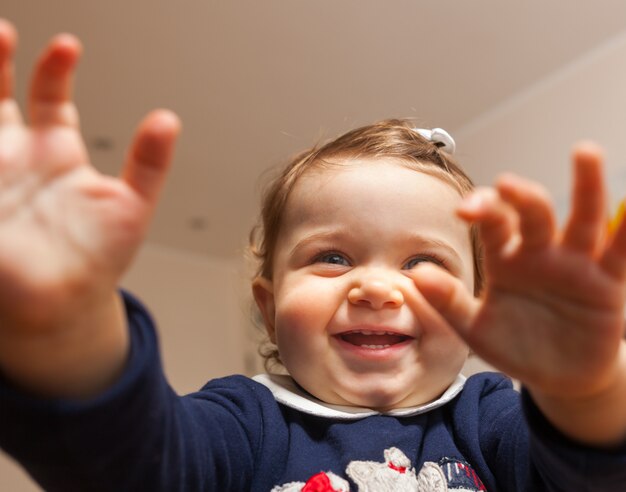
257,80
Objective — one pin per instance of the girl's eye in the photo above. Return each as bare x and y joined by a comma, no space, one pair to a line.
413,262
333,259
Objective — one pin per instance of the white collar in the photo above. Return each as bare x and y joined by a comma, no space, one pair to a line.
286,392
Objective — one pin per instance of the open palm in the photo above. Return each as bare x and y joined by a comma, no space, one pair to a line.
552,311
67,232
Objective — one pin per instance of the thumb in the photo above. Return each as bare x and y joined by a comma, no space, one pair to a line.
448,296
151,153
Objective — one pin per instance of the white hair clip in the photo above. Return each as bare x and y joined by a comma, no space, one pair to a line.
439,137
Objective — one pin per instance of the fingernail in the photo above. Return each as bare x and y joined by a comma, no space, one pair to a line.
472,203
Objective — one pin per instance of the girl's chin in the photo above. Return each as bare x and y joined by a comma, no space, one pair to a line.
381,398
383,393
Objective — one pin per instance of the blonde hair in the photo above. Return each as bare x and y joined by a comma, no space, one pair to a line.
393,138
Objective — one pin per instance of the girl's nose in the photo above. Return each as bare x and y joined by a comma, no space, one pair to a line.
376,293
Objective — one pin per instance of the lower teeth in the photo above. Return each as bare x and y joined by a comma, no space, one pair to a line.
375,346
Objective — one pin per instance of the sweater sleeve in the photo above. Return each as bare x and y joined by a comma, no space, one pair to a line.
521,451
565,465
138,435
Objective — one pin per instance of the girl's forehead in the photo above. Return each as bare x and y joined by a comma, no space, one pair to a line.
368,186
319,171
373,172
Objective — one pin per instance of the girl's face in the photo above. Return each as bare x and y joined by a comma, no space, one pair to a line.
350,325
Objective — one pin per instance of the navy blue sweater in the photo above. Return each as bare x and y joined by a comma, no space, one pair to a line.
232,435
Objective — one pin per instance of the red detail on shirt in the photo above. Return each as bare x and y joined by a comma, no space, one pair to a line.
400,469
473,476
318,483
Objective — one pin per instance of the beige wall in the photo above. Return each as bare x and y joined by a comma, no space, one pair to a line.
533,133
201,315
204,324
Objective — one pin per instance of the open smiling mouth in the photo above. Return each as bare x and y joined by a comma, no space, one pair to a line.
373,340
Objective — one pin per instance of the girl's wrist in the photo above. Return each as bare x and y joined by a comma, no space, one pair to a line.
596,418
77,360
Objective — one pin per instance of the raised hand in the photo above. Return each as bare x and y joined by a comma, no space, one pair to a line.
67,232
552,314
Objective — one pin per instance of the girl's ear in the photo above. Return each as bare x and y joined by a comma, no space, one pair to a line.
263,291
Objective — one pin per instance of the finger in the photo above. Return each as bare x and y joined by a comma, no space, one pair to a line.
496,219
448,296
9,111
586,225
613,260
8,42
51,88
533,205
151,153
